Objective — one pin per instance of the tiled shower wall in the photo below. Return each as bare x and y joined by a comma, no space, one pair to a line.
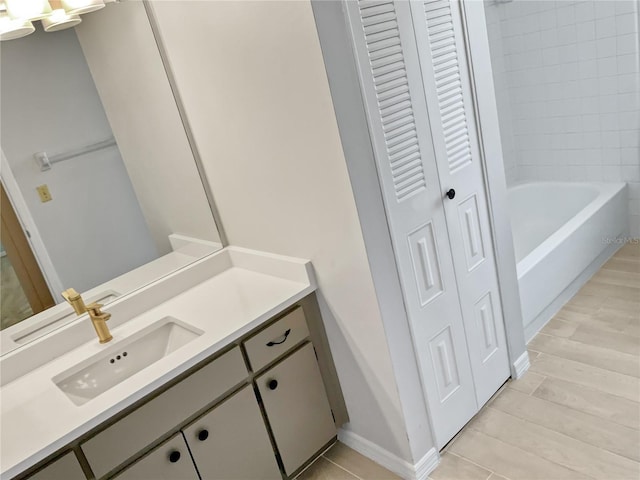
567,77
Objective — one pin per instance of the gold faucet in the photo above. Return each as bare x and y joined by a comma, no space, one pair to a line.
98,317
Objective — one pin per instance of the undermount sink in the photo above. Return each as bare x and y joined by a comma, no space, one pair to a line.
97,374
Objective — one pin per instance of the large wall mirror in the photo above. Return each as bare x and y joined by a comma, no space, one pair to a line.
101,188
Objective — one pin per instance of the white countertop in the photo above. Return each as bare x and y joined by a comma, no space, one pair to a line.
243,290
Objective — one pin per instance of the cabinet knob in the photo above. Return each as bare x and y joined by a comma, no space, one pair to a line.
451,194
272,384
174,456
203,435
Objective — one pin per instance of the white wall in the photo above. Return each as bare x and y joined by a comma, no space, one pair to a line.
572,70
128,72
252,79
93,228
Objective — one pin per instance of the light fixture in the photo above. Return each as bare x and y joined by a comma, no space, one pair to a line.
11,28
77,7
59,20
16,15
28,10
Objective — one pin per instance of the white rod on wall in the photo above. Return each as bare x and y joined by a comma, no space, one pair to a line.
45,161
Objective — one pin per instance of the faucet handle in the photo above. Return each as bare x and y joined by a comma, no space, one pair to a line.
94,311
75,299
70,294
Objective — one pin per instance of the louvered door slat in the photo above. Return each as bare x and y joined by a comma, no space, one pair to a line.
387,64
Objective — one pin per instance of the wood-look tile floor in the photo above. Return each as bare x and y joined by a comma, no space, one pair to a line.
574,415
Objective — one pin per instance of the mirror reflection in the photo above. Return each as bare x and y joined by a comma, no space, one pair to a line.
94,187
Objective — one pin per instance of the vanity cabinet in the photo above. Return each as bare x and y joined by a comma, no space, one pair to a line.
258,410
230,442
66,467
297,407
169,461
133,433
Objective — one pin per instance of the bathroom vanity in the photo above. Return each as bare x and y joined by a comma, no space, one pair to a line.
220,370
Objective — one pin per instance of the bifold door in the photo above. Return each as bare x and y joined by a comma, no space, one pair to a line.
412,64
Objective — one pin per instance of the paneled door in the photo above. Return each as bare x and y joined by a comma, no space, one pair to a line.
439,36
392,86
442,246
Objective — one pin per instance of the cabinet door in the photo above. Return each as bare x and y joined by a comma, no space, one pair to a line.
170,461
65,468
297,407
231,441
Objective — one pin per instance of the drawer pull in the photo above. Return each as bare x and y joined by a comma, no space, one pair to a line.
203,435
286,334
272,384
174,456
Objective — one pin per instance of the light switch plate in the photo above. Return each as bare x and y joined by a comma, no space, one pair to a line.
44,193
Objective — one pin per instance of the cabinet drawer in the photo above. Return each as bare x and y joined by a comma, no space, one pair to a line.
268,344
297,408
169,461
143,426
65,468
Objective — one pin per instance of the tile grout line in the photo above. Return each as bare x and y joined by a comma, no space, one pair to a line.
343,468
635,379
491,472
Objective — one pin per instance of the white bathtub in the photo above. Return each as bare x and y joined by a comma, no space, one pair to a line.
562,233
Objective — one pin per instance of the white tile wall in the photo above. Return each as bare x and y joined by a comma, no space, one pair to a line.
567,77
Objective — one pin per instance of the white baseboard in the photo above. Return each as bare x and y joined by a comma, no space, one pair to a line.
390,461
520,366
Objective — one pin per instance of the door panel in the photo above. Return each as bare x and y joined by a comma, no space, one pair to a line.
236,444
426,265
470,231
438,29
397,116
293,395
169,461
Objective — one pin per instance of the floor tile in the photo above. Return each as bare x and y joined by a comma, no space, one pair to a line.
560,327
555,447
527,383
323,469
607,339
453,467
599,357
573,423
506,459
358,464
594,402
624,386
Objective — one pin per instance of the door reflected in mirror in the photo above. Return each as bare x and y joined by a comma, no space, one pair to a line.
96,169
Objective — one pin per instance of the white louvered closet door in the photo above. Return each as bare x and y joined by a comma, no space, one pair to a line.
416,89
392,87
439,37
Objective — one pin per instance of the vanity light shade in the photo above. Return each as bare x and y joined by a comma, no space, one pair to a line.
59,20
11,29
78,7
28,10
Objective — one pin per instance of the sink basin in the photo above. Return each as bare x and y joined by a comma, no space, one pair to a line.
96,375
